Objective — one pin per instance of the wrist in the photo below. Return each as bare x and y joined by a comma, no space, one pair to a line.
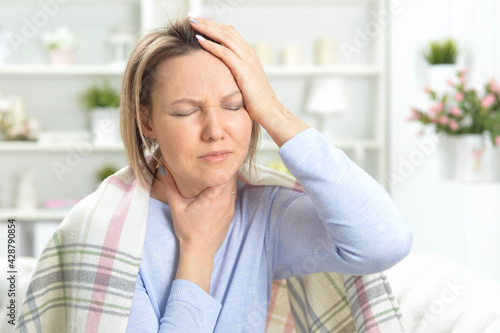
195,253
265,113
195,266
280,123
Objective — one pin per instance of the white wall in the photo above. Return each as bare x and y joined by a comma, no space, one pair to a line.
434,208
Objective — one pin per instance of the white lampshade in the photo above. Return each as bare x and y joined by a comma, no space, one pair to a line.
327,95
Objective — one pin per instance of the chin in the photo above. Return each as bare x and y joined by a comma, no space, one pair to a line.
218,176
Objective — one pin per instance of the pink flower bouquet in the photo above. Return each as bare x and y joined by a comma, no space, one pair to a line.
463,111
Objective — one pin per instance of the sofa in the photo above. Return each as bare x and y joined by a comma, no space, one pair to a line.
435,294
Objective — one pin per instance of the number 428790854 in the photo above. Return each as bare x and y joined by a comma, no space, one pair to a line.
11,244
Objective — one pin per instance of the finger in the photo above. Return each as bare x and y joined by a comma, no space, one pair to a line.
224,34
221,52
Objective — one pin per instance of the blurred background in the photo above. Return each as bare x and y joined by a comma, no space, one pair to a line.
406,88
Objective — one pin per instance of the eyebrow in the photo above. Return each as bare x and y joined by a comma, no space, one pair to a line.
196,101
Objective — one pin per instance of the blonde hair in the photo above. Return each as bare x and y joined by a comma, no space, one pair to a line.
139,81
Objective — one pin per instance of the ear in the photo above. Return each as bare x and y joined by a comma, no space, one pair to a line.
147,123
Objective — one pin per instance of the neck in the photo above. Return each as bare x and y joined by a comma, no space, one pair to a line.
186,190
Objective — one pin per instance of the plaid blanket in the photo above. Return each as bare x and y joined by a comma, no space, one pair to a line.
331,302
85,277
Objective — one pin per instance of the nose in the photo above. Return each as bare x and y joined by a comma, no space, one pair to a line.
213,125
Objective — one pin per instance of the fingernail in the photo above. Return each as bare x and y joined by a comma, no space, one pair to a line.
192,15
192,20
200,38
162,171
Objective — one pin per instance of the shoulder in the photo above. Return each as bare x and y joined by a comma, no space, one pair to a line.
98,207
75,218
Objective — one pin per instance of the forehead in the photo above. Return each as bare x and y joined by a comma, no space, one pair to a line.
198,74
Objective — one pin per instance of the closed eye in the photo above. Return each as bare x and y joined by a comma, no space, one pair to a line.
184,114
233,108
181,114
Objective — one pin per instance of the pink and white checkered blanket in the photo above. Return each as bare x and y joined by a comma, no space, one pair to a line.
85,277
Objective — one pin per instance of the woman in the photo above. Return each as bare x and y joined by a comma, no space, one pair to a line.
179,241
212,248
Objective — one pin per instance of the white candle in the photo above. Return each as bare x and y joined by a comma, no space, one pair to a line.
292,55
325,51
264,53
17,111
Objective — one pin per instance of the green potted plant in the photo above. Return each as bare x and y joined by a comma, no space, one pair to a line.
61,44
105,171
470,121
103,101
441,57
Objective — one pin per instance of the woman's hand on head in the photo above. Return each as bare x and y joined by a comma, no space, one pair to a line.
260,99
243,62
201,224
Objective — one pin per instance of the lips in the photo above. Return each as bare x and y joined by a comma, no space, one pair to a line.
216,153
216,156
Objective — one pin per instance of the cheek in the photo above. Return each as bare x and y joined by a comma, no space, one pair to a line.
174,140
243,126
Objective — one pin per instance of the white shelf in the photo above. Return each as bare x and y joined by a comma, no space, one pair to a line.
45,69
288,3
33,215
272,71
91,2
33,147
321,70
